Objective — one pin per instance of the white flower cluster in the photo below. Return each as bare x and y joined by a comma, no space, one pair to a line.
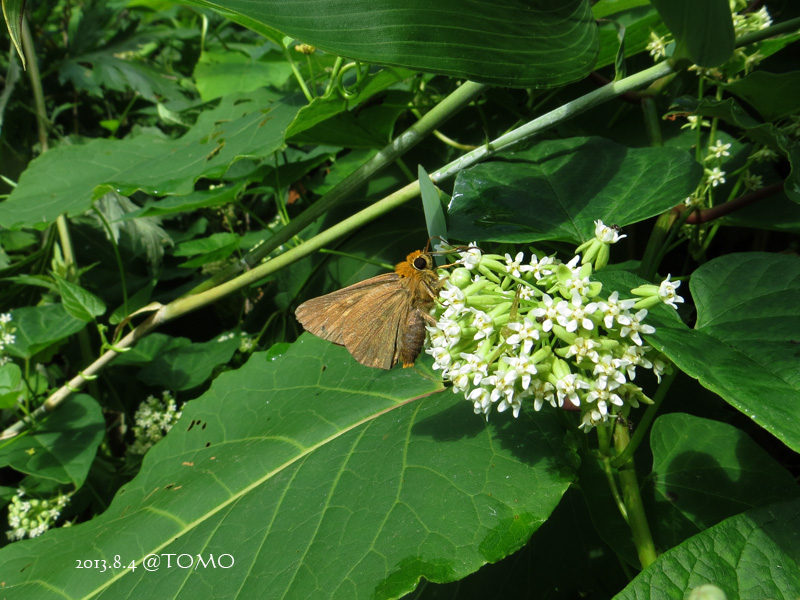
509,330
154,419
31,518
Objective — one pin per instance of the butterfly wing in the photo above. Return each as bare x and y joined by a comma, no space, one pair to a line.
365,318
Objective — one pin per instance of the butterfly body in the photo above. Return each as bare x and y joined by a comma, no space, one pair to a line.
381,320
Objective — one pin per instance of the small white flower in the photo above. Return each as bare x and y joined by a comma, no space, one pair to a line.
475,366
513,265
657,47
483,323
719,150
635,327
609,375
522,365
540,267
471,257
606,234
543,391
567,389
573,314
583,349
667,292
5,318
549,313
613,308
716,176
526,333
453,297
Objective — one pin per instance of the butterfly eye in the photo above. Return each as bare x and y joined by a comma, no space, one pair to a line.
421,262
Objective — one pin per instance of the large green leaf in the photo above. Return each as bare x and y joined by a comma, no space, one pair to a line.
520,43
703,31
748,337
190,365
62,447
558,188
40,327
320,478
705,471
753,555
773,95
68,178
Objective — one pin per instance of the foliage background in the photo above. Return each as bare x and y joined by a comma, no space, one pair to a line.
196,160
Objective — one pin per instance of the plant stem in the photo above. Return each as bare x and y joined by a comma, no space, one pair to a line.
633,501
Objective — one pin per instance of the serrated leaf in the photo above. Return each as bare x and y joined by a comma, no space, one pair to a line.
557,189
63,446
748,334
753,555
66,179
80,303
519,43
295,456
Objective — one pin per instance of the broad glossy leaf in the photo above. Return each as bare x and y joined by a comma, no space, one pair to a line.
703,31
321,478
555,190
68,178
63,446
535,43
748,335
703,472
39,327
218,74
752,555
773,95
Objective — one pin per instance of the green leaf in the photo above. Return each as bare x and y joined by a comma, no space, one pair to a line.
218,74
556,190
703,31
10,385
533,43
432,205
186,367
146,350
80,303
68,178
748,335
301,454
62,447
773,95
173,205
325,107
13,11
40,327
705,471
753,555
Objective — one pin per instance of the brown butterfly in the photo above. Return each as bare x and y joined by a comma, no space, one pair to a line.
380,320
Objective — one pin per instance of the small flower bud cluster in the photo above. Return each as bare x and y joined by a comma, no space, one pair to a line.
31,518
7,336
154,419
510,330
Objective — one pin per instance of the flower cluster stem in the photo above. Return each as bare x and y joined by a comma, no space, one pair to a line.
637,520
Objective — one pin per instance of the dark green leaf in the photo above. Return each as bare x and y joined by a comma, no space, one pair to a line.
62,448
748,335
10,385
432,205
557,189
311,451
773,95
517,43
753,555
219,74
188,366
703,31
705,471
